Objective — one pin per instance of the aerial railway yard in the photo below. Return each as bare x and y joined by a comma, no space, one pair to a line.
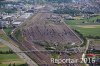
46,28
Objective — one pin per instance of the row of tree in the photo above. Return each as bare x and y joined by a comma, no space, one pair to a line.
93,37
18,65
67,11
6,52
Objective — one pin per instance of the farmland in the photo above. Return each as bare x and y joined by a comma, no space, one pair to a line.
6,59
86,26
90,30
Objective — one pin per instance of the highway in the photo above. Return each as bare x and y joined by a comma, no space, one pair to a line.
21,55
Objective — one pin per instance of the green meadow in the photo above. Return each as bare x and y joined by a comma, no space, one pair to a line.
86,31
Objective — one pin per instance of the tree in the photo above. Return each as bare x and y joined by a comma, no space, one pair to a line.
98,20
14,64
9,64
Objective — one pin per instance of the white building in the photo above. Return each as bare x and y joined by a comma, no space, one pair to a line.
16,24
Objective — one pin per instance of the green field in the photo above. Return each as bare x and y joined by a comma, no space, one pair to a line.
4,48
86,26
87,31
6,59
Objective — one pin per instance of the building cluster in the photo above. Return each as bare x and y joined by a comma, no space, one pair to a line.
12,20
23,11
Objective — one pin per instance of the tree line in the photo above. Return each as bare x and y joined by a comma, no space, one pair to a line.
67,10
6,52
93,37
18,65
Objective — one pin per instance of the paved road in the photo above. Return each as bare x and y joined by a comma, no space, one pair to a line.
87,46
83,56
21,55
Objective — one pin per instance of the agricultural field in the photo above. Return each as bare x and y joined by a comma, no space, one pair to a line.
86,30
6,59
86,26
